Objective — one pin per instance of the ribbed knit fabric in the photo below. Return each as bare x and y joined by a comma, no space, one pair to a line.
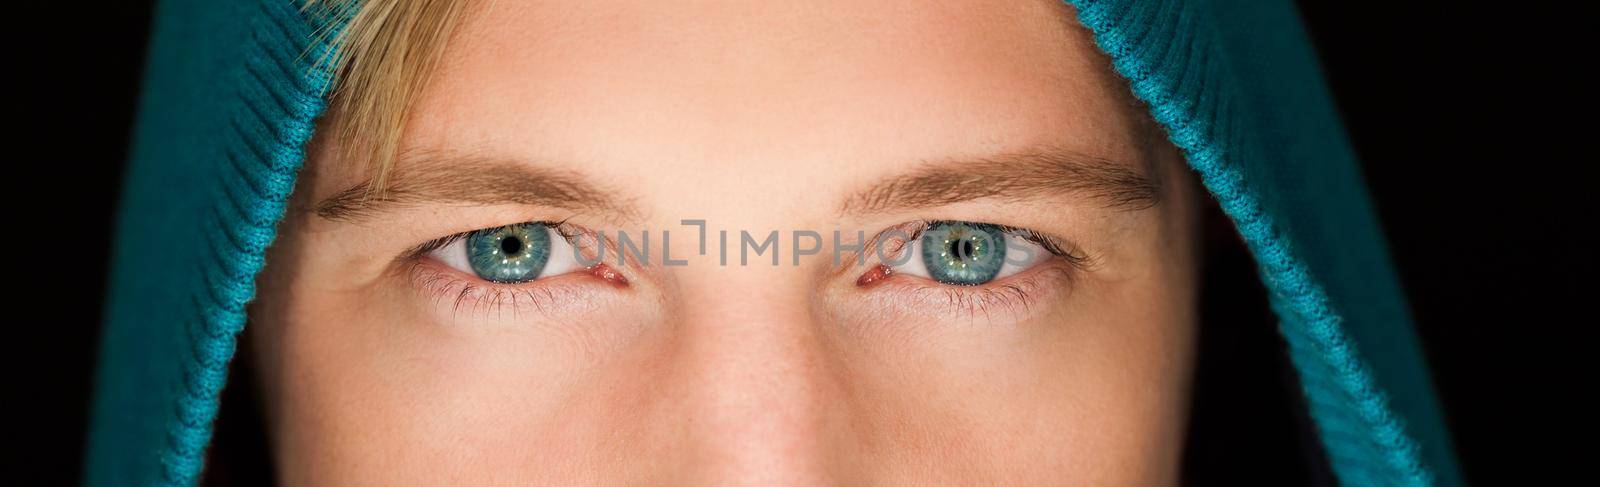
1237,87
228,104
230,96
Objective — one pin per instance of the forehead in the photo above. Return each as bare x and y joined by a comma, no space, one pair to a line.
794,87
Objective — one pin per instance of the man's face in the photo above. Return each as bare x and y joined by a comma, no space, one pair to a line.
938,132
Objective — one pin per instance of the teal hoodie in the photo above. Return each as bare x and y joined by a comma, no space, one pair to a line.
232,90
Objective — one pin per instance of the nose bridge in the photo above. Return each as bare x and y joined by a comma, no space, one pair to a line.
760,394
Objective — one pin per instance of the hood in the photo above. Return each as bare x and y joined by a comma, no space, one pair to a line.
232,89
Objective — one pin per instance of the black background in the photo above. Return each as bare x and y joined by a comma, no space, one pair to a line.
1465,118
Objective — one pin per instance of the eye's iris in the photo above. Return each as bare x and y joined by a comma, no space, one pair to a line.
512,253
962,253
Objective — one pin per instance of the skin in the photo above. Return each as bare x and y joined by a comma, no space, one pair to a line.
756,117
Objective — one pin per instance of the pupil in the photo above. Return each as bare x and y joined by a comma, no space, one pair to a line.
961,248
510,245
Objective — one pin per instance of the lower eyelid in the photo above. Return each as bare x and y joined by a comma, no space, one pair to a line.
897,252
447,288
1019,293
571,251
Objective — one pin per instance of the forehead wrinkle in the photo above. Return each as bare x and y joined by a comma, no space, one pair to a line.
1013,177
423,177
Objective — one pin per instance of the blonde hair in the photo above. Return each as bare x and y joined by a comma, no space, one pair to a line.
382,58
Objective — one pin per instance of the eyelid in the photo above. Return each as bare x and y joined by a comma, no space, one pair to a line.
562,256
581,241
1057,246
476,296
440,242
571,232
467,291
1011,295
901,256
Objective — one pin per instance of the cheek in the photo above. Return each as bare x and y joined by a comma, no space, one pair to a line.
377,384
1094,378
380,385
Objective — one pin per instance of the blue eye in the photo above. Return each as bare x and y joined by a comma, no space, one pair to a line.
963,253
509,254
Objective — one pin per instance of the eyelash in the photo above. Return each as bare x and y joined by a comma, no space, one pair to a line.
1009,292
1021,291
436,280
562,228
1061,248
1064,249
495,297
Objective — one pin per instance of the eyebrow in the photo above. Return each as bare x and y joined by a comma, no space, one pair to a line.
1013,176
437,177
